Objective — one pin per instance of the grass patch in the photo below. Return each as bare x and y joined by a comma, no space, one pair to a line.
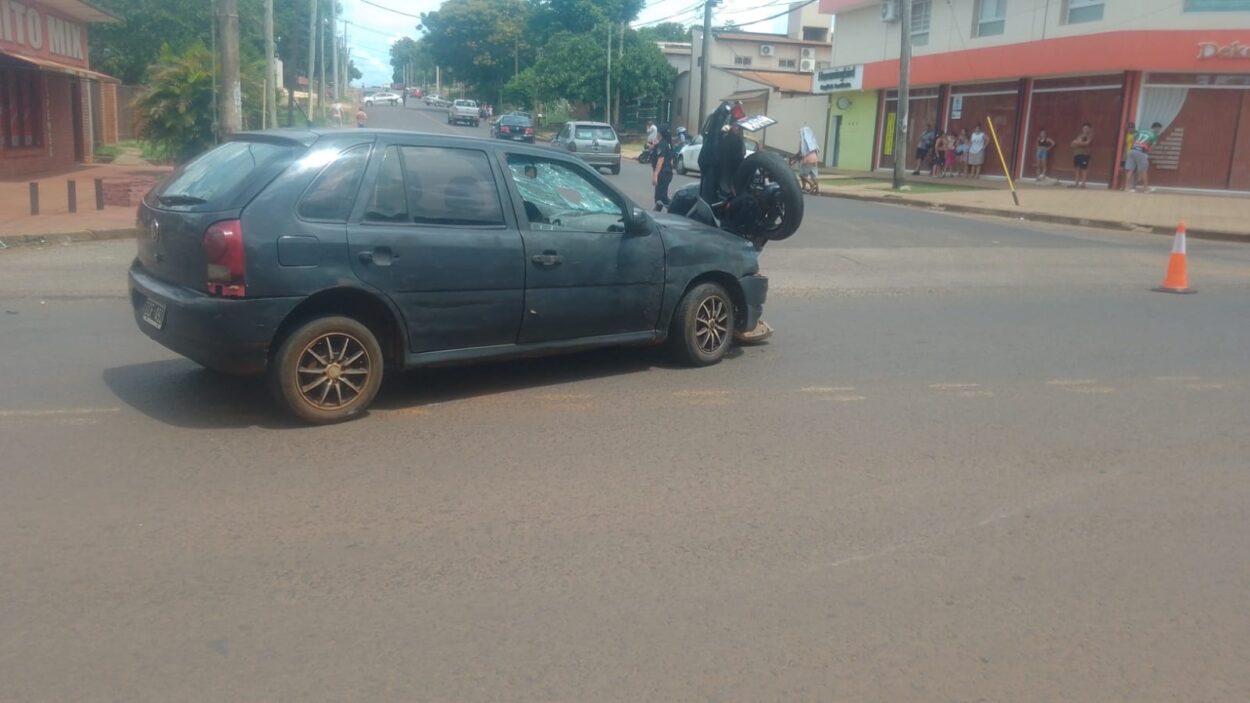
922,187
105,153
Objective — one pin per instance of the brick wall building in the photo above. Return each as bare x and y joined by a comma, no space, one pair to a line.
47,111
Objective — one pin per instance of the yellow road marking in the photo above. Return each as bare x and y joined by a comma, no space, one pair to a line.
1072,382
56,412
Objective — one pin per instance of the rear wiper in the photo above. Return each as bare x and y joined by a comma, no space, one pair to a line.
180,200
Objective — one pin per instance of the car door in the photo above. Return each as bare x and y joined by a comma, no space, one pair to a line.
431,230
585,276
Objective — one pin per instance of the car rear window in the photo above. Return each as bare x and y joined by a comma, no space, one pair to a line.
515,121
215,177
602,132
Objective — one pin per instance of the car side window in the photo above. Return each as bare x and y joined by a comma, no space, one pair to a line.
330,197
451,187
559,197
388,202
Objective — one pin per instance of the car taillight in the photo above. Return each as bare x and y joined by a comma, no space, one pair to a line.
504,129
529,131
225,263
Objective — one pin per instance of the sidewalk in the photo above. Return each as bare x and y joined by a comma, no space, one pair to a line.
124,185
1209,216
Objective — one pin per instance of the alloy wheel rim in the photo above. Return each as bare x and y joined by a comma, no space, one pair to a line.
711,324
333,371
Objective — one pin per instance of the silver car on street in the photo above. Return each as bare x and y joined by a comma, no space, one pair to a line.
595,143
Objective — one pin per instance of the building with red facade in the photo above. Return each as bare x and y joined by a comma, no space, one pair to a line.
53,108
1054,64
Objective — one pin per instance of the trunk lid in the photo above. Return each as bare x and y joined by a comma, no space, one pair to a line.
213,187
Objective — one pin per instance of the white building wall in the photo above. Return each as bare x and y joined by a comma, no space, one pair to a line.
861,37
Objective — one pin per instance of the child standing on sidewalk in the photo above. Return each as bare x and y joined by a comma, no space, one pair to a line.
1045,146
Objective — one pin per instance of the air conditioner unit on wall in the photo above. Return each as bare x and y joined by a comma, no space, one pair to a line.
807,53
889,11
767,49
807,65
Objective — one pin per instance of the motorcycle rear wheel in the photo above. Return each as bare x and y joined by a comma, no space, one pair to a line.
782,213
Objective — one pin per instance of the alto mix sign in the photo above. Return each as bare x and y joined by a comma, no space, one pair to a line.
22,25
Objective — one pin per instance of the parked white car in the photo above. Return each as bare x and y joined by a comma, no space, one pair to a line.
688,158
382,99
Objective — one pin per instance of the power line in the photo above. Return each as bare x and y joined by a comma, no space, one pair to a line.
390,9
688,10
779,14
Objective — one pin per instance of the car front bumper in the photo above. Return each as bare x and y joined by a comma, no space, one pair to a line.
231,335
754,293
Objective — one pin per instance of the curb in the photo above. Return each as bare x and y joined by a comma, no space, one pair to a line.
1213,235
90,235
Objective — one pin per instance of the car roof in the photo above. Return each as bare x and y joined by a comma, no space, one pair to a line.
584,123
309,136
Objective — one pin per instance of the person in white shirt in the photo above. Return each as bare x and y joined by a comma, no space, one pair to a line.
976,151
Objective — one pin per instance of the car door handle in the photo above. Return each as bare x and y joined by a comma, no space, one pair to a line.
382,256
547,258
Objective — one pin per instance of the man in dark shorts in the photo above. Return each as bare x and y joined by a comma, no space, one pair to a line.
1082,147
926,143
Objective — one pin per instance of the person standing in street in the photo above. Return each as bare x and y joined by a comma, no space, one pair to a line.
362,118
1082,148
923,147
662,169
939,156
653,134
1138,165
809,159
1045,147
976,151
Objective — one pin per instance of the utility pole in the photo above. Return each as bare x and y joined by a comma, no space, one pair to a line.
620,56
334,41
903,112
607,103
347,79
312,54
271,87
321,82
705,59
438,81
230,107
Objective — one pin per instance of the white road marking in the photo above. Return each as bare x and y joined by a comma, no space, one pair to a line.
827,389
952,386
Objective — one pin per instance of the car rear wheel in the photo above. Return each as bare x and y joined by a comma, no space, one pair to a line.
703,325
328,370
616,170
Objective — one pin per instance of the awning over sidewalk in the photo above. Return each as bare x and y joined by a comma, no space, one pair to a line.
784,81
58,67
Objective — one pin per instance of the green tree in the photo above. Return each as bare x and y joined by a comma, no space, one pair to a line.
665,31
176,112
482,42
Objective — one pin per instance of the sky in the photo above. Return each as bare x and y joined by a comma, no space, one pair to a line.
373,29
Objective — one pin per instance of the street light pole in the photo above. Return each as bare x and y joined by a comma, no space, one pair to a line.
312,55
904,94
334,42
271,103
607,102
231,105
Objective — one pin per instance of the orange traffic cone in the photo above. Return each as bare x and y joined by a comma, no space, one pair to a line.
1177,279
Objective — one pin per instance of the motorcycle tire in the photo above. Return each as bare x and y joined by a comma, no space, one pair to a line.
772,167
645,157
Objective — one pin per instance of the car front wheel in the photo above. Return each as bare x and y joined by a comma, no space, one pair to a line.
703,325
328,370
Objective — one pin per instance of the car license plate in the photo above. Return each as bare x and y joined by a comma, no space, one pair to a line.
154,313
518,137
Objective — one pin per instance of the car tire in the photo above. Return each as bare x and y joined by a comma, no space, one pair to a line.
779,172
679,165
339,348
616,170
703,325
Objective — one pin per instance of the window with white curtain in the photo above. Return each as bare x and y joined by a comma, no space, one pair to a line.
921,16
991,17
1084,11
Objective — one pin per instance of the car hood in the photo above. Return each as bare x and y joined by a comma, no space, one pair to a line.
694,243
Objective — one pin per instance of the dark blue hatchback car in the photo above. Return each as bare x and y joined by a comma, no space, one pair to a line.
324,258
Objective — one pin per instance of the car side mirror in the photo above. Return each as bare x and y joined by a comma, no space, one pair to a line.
639,223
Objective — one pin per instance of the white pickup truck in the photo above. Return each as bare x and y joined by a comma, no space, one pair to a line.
464,112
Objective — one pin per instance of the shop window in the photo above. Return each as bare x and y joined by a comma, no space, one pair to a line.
1083,11
21,109
991,18
786,63
742,60
1217,5
815,34
921,15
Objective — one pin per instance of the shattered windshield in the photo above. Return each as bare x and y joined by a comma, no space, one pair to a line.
559,197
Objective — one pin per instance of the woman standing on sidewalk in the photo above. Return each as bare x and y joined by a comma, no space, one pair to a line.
1045,146
976,151
662,171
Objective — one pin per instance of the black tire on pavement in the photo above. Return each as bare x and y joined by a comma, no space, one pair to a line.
773,168
703,325
616,170
328,370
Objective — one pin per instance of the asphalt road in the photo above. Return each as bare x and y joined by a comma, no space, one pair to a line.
979,461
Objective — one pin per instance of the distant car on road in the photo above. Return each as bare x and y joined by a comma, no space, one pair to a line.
688,158
382,99
323,258
414,92
595,143
464,112
436,101
517,128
